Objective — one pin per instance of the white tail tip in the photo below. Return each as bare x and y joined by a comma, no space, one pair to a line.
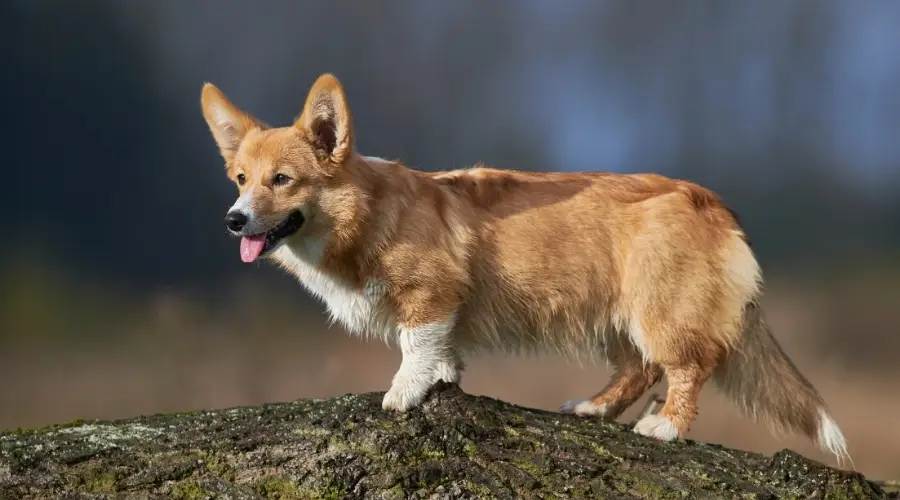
831,439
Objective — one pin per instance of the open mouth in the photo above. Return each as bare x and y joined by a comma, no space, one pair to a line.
252,247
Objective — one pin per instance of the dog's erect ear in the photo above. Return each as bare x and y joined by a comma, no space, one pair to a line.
228,123
325,120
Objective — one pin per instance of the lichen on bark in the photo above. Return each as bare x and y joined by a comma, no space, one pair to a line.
454,446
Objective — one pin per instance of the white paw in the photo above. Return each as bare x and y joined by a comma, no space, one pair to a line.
656,426
584,408
448,372
404,395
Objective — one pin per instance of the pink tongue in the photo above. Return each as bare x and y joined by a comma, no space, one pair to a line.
252,246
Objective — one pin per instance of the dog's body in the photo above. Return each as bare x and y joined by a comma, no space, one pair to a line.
653,274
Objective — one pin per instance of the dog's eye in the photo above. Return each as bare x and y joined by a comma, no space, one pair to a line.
241,178
280,180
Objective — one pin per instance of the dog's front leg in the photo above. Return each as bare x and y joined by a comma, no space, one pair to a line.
450,371
427,351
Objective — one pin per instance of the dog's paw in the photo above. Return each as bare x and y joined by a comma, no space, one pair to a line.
584,408
657,427
403,396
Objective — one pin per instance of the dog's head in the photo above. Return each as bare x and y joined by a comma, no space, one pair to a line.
283,175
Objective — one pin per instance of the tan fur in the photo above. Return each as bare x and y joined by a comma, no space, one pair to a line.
654,274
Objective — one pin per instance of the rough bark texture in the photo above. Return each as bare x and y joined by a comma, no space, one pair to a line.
454,446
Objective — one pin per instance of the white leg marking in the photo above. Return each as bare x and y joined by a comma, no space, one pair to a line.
449,371
426,350
656,426
584,408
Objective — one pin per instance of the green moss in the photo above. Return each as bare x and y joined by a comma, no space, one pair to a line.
311,432
702,480
368,447
217,466
511,432
596,448
395,493
534,430
845,492
338,444
652,491
479,489
431,453
188,490
470,449
280,488
102,482
635,486
639,486
530,468
332,489
386,425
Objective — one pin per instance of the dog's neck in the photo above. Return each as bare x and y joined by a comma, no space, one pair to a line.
382,192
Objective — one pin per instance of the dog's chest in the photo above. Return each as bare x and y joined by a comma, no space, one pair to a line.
362,312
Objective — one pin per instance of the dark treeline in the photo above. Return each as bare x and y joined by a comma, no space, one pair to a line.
789,109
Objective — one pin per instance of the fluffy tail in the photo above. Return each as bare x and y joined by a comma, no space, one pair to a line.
763,382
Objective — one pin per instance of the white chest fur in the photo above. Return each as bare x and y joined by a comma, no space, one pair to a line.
362,312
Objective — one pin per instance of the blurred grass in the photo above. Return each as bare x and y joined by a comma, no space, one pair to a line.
44,306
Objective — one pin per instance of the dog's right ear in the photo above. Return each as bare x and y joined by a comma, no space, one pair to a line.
228,123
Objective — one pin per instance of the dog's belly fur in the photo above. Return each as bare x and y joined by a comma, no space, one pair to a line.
508,324
498,323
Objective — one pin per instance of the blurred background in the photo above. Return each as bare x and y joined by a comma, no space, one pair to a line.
122,295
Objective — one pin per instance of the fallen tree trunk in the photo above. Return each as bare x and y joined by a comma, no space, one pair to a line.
454,446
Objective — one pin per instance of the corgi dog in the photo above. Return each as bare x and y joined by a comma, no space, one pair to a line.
653,275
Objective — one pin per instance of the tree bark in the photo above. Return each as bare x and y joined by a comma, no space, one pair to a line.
454,446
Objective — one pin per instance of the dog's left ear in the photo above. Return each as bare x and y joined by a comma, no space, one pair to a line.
325,120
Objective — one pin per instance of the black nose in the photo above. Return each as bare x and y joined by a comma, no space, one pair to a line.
235,220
